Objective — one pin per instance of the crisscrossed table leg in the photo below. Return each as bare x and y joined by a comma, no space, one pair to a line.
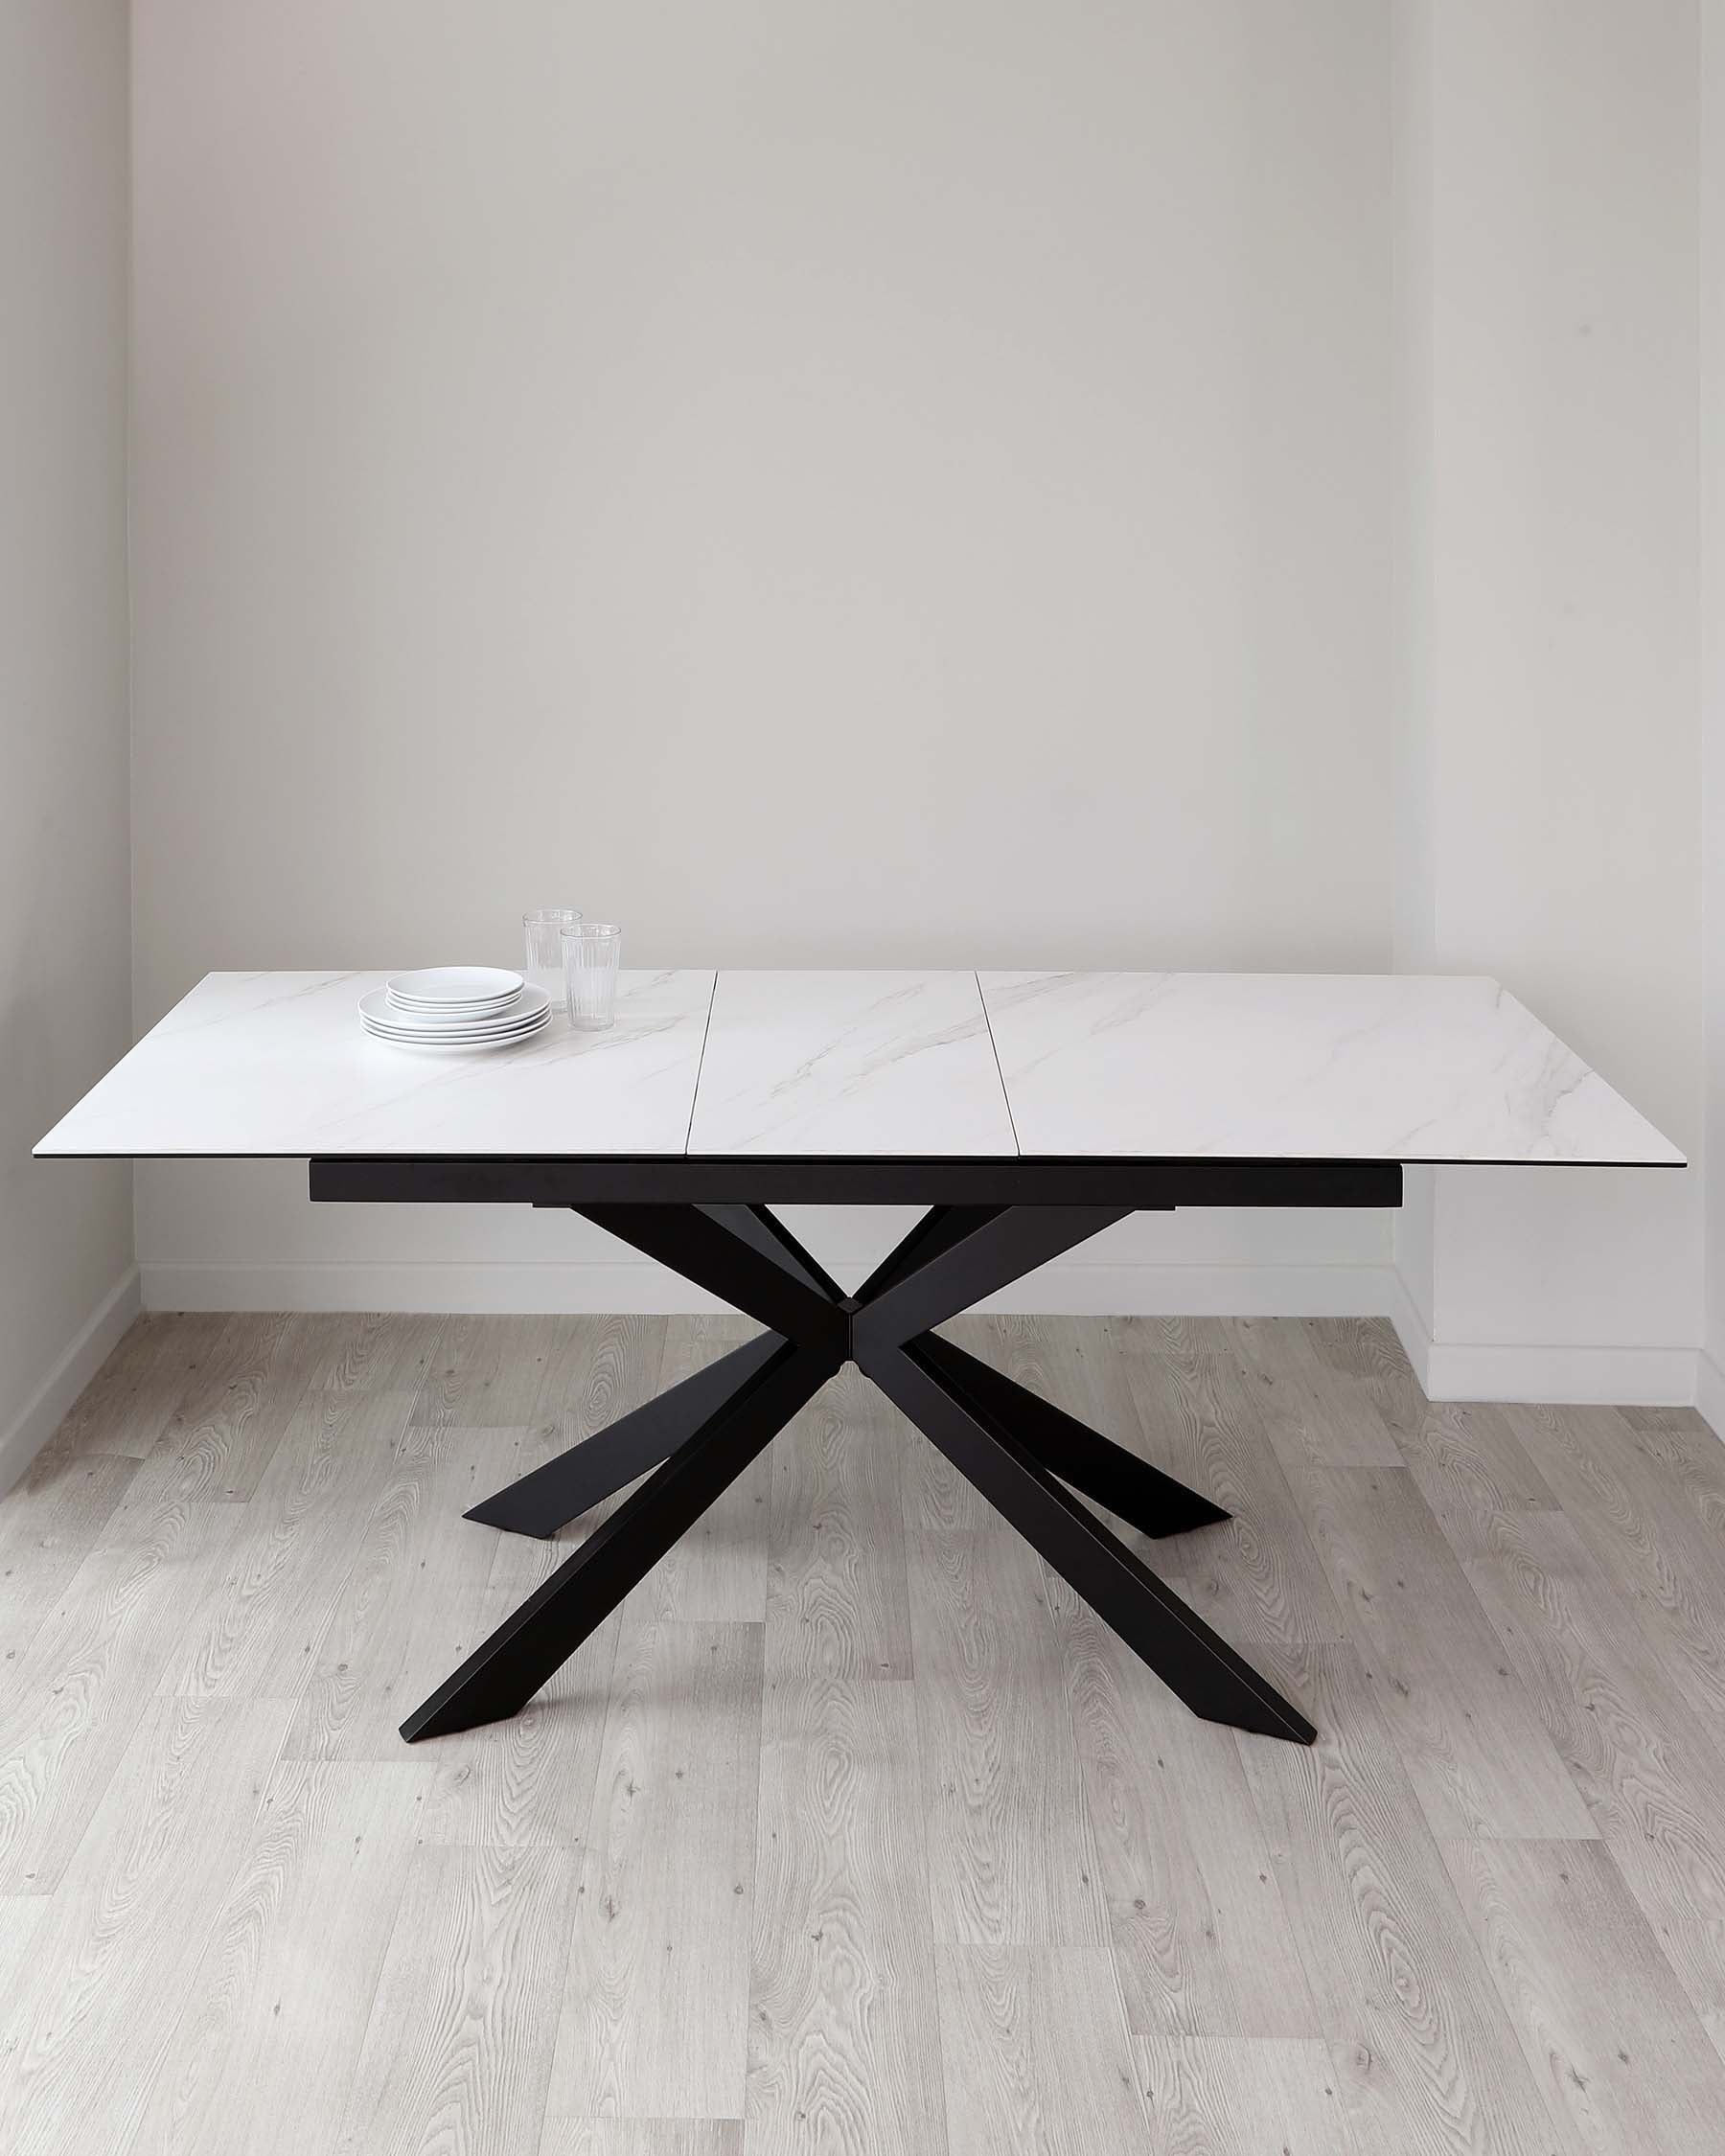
1019,1451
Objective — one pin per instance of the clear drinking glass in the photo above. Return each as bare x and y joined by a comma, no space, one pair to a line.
591,952
543,927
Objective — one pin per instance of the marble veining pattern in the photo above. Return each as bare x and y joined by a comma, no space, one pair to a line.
938,1064
1299,1067
278,1064
850,1063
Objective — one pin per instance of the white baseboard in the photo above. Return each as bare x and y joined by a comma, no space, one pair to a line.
1563,1373
1447,1370
1710,1392
1077,1290
1061,1290
488,1288
41,1414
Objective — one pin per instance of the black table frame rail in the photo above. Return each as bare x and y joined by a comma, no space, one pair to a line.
988,1224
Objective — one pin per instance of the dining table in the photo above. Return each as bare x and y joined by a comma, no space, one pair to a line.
1020,1111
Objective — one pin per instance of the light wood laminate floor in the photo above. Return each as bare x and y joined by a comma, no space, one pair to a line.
853,1830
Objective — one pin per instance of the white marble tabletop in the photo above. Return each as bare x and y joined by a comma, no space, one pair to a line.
1049,1065
1312,1067
850,1063
252,1064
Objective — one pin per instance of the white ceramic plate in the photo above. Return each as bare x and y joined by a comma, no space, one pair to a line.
455,1032
454,988
456,1011
481,1014
532,1008
455,1039
441,1042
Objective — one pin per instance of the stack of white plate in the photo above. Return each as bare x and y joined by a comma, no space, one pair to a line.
455,1007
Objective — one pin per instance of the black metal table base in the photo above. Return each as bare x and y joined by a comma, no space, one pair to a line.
1026,1455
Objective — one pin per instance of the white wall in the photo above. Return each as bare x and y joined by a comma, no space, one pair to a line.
842,484
1548,797
1713,679
66,932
